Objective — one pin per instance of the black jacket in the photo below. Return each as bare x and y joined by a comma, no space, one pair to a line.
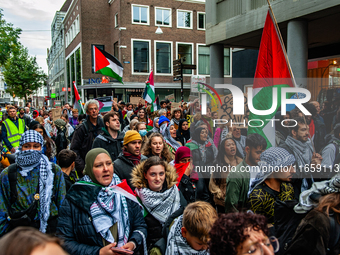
320,133
105,141
75,226
194,191
82,140
123,168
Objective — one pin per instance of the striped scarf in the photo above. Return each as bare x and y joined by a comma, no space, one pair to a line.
177,245
133,158
109,209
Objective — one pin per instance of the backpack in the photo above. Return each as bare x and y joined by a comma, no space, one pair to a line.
61,140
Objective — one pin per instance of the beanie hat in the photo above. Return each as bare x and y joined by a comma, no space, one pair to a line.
182,152
131,135
161,119
133,116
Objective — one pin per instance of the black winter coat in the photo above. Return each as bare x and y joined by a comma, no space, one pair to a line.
105,141
82,141
194,191
75,226
123,168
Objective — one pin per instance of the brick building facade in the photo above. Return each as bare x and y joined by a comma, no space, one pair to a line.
126,29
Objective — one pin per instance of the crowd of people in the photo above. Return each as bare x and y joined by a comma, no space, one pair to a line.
168,182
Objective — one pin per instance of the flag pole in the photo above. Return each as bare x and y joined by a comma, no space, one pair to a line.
288,63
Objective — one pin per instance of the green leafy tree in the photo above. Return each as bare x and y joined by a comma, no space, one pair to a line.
22,74
9,39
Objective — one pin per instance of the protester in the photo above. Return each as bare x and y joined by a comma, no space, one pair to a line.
104,218
81,118
70,129
24,116
155,126
110,139
228,156
74,119
85,133
49,148
327,114
191,183
183,132
241,233
169,135
33,178
176,116
318,232
236,196
129,157
162,112
271,183
61,139
240,140
29,241
11,130
143,117
140,127
155,183
156,146
163,123
281,132
67,162
220,134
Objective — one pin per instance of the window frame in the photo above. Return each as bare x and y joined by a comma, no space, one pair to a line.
132,58
208,75
148,14
198,14
116,20
191,18
171,58
170,16
192,55
197,57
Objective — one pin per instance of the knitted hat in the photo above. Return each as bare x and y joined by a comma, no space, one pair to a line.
162,119
131,135
182,152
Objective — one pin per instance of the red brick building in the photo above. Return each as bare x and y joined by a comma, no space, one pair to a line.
126,29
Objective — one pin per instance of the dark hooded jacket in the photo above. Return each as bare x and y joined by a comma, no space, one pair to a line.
181,135
75,223
105,141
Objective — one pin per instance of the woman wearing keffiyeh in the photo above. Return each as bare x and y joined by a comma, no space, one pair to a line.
100,217
39,186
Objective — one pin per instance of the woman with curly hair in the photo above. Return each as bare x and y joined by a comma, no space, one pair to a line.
155,182
156,146
143,117
241,233
176,116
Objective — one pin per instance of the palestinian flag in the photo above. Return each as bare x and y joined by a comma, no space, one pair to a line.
271,72
106,64
149,91
155,105
77,102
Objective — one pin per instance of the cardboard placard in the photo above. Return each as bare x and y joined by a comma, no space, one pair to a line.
115,99
190,119
174,106
170,97
225,111
135,100
194,82
56,113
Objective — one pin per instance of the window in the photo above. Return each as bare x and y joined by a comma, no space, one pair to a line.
116,20
163,17
140,14
203,60
163,57
102,47
141,56
184,51
184,19
203,56
226,61
201,21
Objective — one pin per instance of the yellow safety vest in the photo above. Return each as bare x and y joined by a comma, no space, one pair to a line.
13,133
1,115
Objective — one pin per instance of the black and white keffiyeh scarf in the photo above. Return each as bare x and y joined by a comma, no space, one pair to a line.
174,121
110,208
177,245
160,205
29,159
169,139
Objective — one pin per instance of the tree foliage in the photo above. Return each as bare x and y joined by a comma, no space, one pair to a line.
9,39
22,74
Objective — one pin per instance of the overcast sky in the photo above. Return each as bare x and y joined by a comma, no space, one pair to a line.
34,17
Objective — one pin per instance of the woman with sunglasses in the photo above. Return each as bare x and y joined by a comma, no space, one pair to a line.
241,234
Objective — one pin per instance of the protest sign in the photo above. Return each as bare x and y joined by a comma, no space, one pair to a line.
135,100
170,97
190,119
174,106
225,111
56,113
194,82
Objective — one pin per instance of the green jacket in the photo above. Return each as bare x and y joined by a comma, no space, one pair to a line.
237,188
